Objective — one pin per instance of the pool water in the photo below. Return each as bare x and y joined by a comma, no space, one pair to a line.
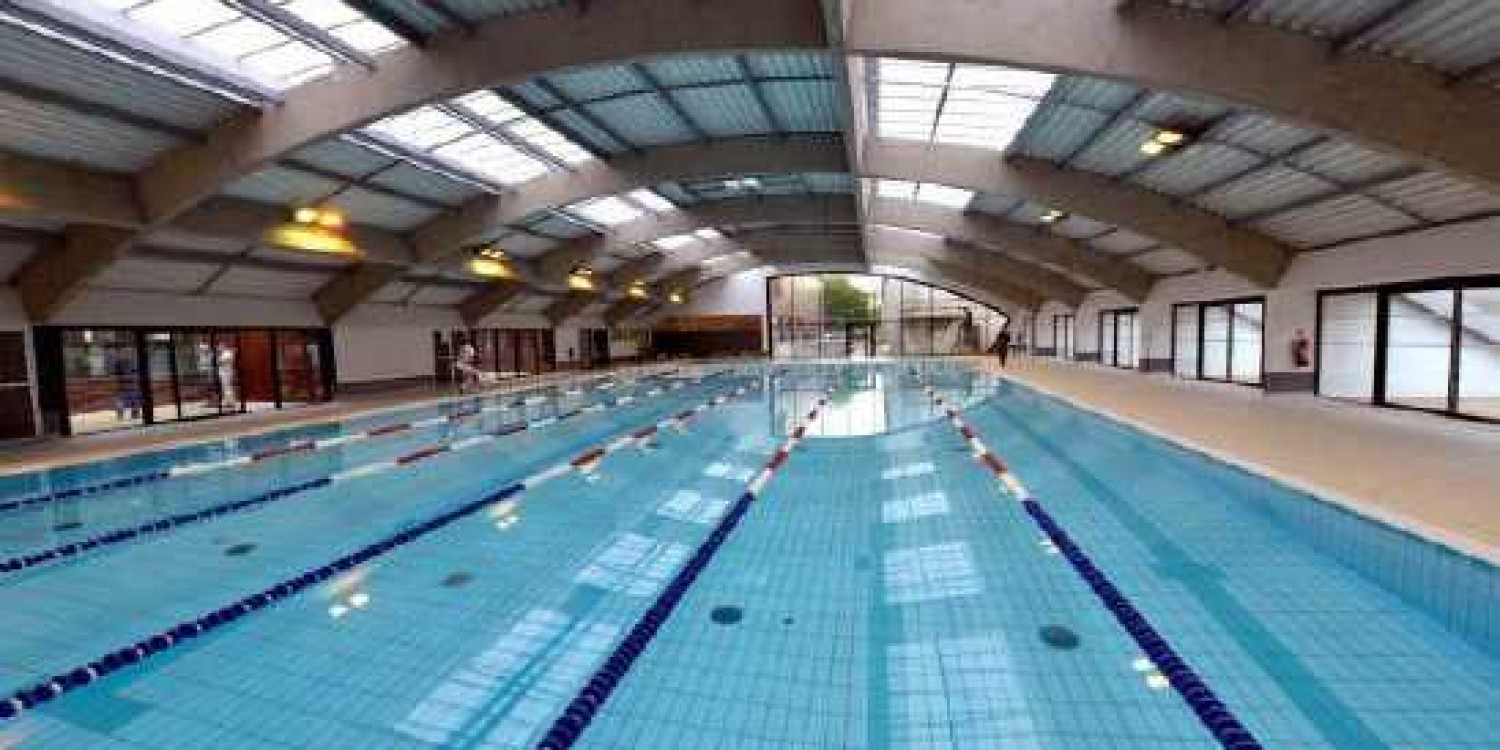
883,589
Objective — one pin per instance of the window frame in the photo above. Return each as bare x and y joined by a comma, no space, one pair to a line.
1202,310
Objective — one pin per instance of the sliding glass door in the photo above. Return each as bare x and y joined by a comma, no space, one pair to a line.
1118,336
1222,341
1432,346
1062,336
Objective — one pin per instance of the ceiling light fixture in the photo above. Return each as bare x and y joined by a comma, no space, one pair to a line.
1164,140
1053,216
676,297
490,268
637,290
312,229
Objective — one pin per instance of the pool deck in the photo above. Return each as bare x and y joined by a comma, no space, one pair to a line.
1435,476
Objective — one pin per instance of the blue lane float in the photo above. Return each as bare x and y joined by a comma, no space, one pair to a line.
110,538
51,688
72,493
1211,712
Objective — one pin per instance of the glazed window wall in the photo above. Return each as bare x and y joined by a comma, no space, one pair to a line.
1119,334
114,378
1220,341
860,316
1431,346
507,352
1062,336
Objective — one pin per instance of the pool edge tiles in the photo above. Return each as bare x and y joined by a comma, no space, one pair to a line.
1431,569
27,698
569,726
1216,717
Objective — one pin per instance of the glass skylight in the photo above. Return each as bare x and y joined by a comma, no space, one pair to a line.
650,201
461,145
611,211
708,233
958,104
522,127
924,192
675,242
252,47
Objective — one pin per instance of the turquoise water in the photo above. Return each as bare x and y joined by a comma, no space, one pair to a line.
883,591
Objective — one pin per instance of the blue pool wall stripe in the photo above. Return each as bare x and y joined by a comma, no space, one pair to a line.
1459,590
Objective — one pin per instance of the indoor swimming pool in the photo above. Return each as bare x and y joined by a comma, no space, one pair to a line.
907,554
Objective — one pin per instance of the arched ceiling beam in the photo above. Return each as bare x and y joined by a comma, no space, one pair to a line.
1382,101
480,304
507,50
1014,239
40,189
485,216
569,305
1254,256
903,248
778,209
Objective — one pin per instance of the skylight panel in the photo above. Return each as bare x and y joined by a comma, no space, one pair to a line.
651,201
237,42
943,195
708,233
611,211
895,189
957,104
522,127
675,242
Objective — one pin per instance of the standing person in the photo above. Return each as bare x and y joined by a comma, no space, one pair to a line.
1002,345
228,396
468,373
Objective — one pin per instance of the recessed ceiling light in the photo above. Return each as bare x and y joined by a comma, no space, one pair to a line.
1053,216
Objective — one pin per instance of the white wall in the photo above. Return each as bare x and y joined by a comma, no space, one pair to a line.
388,342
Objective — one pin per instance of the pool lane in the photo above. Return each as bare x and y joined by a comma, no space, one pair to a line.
1310,653
77,527
880,595
65,615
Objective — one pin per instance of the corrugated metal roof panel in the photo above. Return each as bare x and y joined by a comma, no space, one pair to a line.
805,106
380,210
1262,134
1321,17
1179,109
154,275
392,293
440,295
341,156
417,181
790,64
689,70
993,204
418,13
644,120
1343,161
597,82
583,126
1450,35
533,94
1092,93
529,302
1122,241
1193,168
1168,261
1078,227
1028,213
1263,190
1117,150
53,65
724,111
673,191
1439,197
267,282
829,182
49,132
1056,130
281,186
553,225
479,10
1333,220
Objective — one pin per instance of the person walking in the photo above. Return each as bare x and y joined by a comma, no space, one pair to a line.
1002,346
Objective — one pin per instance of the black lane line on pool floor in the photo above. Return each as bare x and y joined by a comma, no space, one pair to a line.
120,535
29,697
575,718
1201,699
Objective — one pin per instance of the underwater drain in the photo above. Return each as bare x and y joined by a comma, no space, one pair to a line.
457,579
1059,637
727,615
240,549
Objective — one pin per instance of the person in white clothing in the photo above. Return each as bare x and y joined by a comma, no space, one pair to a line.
225,364
468,370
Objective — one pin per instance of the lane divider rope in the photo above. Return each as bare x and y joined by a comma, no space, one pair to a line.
28,560
579,712
290,448
28,698
1215,716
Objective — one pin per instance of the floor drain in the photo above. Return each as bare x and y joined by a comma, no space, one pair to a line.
457,580
727,615
68,526
240,549
1059,637
787,621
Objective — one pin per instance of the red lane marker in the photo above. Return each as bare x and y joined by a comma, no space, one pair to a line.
416,456
388,429
777,460
281,451
994,462
968,433
645,433
587,458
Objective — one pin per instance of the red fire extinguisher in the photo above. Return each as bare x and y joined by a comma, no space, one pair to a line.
1301,349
